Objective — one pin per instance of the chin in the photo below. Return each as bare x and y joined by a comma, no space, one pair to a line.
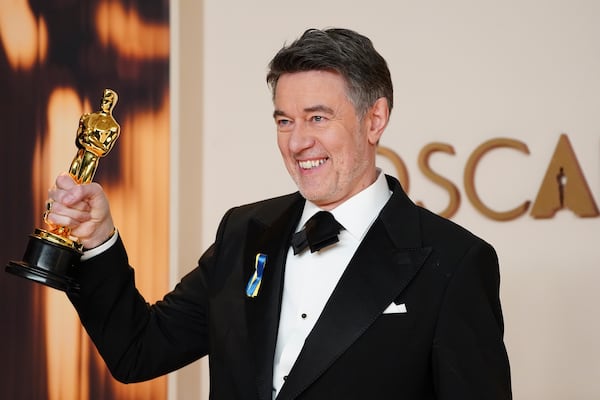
314,191
310,195
314,196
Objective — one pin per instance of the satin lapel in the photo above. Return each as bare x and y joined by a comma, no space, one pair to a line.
384,264
271,236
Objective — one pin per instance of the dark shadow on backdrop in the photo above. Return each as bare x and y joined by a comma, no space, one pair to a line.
75,59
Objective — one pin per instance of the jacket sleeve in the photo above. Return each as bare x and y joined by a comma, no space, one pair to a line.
469,356
139,341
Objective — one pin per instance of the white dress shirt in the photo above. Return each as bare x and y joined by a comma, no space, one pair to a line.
87,254
311,277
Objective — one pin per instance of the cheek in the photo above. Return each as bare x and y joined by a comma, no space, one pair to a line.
353,152
286,155
282,144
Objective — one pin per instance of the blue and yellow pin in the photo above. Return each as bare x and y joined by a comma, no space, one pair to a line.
254,283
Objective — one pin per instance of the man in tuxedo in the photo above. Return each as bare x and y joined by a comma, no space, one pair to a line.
373,298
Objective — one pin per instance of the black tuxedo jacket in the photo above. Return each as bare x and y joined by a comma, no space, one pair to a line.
447,345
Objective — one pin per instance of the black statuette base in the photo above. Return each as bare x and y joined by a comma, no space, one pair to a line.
47,263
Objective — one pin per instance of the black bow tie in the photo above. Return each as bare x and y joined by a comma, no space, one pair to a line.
320,231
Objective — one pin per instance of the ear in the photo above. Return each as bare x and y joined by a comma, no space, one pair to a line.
377,119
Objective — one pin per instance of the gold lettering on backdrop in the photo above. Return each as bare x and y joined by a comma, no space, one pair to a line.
424,154
564,186
401,171
469,179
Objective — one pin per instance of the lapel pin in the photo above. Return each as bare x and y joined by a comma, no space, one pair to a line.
254,282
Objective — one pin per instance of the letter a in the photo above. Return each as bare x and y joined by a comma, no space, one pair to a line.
564,186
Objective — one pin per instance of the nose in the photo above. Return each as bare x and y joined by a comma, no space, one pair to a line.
301,138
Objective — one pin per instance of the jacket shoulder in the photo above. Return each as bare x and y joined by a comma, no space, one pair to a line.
282,201
264,212
448,237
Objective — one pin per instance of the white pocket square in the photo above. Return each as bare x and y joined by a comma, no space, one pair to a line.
395,309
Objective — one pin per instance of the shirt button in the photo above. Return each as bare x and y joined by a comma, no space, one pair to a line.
303,315
285,378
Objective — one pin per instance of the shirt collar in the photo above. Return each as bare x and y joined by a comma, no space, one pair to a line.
358,212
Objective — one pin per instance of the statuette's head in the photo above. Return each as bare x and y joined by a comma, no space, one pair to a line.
109,99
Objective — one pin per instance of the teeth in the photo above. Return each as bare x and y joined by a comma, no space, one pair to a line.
309,164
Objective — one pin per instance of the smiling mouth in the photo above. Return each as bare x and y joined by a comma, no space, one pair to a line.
310,164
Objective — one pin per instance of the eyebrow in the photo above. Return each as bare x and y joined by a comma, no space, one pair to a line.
319,107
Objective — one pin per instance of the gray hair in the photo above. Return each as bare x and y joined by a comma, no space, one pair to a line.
344,51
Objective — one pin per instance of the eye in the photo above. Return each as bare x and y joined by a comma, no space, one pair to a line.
283,123
317,118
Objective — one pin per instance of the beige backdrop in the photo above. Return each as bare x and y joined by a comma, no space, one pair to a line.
465,72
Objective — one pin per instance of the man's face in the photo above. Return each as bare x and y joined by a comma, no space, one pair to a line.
327,150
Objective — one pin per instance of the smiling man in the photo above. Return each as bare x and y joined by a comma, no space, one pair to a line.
328,148
343,290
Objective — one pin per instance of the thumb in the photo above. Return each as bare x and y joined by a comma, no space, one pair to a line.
66,183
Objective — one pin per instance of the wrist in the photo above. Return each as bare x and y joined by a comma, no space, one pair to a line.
101,242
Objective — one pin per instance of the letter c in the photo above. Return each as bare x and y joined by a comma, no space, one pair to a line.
469,179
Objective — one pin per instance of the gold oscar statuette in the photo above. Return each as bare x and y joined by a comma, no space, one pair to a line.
52,254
